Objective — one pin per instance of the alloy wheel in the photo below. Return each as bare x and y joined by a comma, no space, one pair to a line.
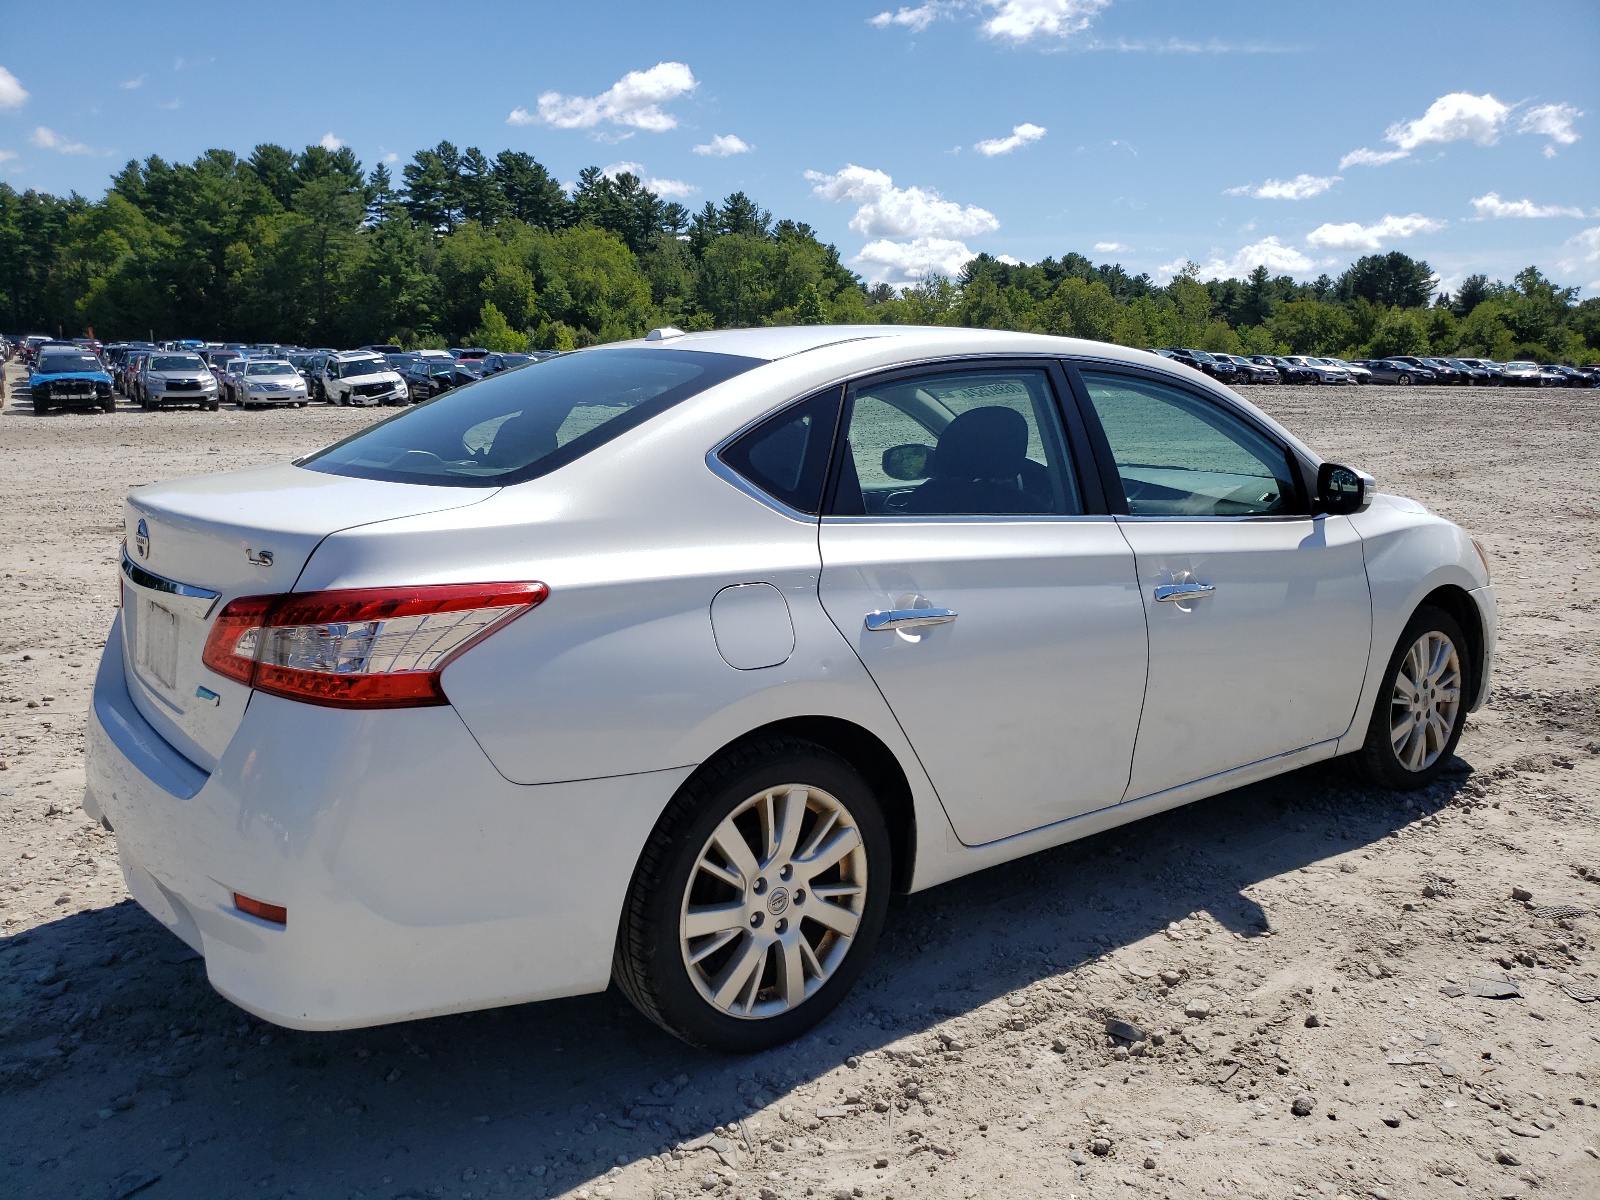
774,901
1425,701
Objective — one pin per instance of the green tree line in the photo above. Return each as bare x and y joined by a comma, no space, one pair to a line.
311,248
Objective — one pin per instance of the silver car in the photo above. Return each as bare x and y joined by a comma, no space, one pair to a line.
269,381
169,378
667,662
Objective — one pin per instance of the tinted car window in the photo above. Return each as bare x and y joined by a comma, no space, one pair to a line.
1181,456
522,424
962,443
786,456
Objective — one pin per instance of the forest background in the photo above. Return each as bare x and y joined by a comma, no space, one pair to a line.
311,249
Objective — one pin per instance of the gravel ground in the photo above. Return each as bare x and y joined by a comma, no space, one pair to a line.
1298,957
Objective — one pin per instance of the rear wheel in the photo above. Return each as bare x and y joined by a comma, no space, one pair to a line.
758,898
1421,707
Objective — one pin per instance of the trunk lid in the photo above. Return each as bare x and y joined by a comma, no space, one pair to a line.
192,545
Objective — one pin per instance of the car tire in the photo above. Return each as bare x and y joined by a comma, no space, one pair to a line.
694,984
1403,379
1421,706
40,407
214,405
110,406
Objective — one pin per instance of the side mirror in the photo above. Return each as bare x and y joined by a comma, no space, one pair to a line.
1342,490
907,462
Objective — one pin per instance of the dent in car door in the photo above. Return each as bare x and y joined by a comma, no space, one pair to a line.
1003,626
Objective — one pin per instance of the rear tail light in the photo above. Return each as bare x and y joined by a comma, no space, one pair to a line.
364,647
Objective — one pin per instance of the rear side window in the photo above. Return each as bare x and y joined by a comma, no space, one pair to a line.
519,425
786,455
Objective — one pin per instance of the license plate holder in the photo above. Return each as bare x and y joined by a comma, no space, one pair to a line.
159,627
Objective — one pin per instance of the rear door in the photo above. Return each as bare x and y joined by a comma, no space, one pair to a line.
1259,613
972,566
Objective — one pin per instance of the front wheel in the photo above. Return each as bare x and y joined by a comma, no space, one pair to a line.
758,898
1421,707
1404,380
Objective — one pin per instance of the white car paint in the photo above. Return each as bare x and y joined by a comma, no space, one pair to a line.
475,854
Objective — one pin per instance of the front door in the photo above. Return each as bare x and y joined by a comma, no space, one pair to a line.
1259,613
1002,624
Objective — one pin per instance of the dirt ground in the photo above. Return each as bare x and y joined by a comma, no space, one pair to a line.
1299,945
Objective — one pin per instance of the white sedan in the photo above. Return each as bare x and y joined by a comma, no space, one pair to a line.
669,661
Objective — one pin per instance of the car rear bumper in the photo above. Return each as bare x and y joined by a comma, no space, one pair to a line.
417,879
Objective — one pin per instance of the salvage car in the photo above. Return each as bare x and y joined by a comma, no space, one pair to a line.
668,661
266,382
361,377
70,379
168,379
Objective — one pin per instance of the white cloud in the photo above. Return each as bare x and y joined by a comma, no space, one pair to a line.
723,145
1553,121
1110,247
1023,20
883,210
1371,158
635,100
7,155
391,157
520,116
1176,45
1021,135
1352,235
675,188
171,105
131,84
12,93
1490,205
1585,253
1458,117
330,142
49,139
915,19
1301,187
1269,252
905,262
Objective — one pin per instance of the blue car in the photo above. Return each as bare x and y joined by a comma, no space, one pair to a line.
70,379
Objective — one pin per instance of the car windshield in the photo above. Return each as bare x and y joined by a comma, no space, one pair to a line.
177,362
269,368
61,364
440,369
363,366
524,424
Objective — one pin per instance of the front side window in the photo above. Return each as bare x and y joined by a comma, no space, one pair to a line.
1182,456
964,443
522,424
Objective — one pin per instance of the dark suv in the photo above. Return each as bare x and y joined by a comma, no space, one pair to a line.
1219,369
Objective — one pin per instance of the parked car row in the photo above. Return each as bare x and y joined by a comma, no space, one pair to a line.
1403,369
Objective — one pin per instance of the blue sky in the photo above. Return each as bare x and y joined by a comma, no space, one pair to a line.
1146,132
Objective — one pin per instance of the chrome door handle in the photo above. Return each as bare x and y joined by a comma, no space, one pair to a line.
908,618
1175,593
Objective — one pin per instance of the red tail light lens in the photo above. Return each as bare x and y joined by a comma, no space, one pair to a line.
364,647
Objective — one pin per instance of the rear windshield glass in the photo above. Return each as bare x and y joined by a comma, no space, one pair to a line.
522,424
61,364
